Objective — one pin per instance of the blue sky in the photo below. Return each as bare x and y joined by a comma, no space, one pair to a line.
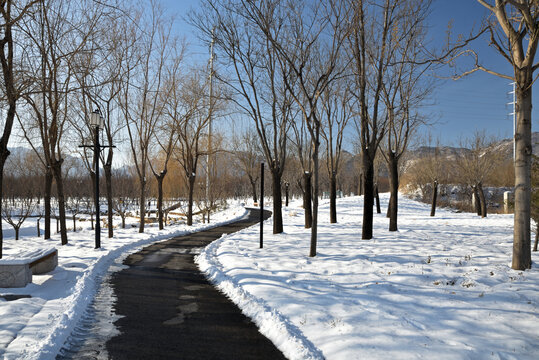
477,102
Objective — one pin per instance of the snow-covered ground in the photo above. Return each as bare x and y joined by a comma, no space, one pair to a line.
36,327
439,288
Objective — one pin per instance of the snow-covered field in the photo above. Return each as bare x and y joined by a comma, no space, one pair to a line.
36,327
439,288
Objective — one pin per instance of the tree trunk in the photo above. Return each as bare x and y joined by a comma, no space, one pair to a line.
523,146
92,220
476,200
536,236
160,179
142,206
57,172
483,201
16,228
253,189
191,181
368,197
394,190
108,183
38,230
4,153
307,199
333,198
277,203
377,198
74,223
434,198
123,222
47,201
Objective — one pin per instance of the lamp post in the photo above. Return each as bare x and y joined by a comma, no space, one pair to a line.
261,205
286,186
97,123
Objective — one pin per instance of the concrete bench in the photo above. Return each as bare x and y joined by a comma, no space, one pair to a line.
16,270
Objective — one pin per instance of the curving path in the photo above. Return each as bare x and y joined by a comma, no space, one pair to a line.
170,311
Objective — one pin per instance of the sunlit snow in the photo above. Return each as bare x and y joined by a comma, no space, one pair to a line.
439,288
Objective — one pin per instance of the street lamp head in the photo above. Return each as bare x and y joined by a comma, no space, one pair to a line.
96,120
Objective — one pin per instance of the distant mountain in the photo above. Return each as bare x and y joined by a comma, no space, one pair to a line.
503,147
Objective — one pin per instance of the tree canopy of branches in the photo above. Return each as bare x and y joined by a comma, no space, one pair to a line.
257,81
12,12
385,35
143,82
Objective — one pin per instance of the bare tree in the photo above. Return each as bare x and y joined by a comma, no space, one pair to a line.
256,84
187,109
57,34
123,190
141,88
535,199
12,13
476,163
302,145
248,154
336,114
16,210
167,127
370,62
403,91
19,200
101,65
514,33
309,55
381,31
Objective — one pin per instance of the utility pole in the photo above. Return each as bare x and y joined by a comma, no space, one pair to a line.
514,102
210,113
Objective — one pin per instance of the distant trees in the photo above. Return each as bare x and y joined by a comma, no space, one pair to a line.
336,113
142,85
476,165
459,173
187,109
248,156
19,194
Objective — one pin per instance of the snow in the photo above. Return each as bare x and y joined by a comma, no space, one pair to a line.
37,327
26,256
441,287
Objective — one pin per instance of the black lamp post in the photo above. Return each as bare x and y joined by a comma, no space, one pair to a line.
286,186
261,205
97,123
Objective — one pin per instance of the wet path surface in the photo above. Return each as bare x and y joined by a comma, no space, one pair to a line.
164,308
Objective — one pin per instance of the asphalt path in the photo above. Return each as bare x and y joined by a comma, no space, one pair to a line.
170,311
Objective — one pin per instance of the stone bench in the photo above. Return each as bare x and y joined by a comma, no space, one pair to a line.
16,269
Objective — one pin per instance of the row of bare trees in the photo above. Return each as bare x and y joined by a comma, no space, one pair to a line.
280,59
301,71
65,59
478,161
